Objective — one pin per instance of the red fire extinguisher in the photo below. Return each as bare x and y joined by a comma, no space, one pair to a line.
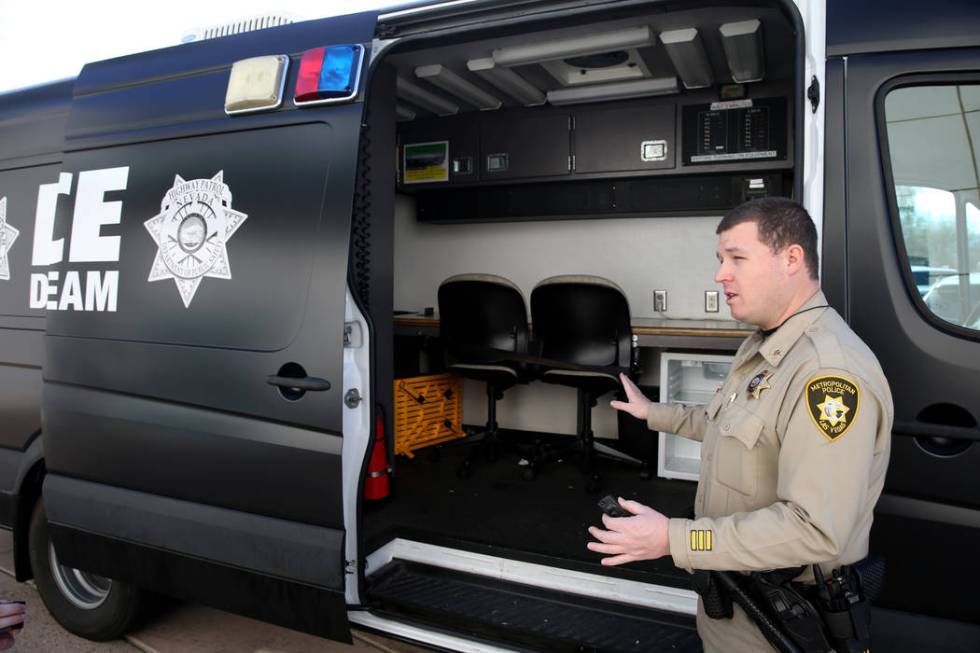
376,484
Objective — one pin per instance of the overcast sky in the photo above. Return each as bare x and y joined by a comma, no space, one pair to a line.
45,40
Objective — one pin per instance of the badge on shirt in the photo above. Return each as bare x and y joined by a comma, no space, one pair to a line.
833,404
759,383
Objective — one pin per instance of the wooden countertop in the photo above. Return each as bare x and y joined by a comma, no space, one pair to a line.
642,326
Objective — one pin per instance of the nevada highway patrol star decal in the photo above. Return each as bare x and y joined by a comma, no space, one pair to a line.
7,237
833,404
191,231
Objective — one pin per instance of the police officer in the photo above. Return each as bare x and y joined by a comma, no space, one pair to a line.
795,444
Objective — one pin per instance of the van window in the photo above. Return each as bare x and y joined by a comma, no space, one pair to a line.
933,138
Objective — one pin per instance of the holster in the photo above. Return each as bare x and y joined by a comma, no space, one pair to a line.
793,611
716,601
844,603
850,629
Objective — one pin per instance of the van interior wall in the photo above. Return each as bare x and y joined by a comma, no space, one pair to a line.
639,254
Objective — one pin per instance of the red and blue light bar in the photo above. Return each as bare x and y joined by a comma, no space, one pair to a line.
329,74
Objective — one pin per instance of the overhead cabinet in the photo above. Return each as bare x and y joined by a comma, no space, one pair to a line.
525,145
440,151
631,138
617,139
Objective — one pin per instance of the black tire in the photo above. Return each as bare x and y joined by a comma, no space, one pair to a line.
108,617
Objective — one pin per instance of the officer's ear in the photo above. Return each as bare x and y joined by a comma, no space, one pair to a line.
794,259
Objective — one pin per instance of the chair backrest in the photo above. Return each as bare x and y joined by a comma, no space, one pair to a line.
481,311
582,319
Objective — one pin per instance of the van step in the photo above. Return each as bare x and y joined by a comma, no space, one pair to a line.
524,616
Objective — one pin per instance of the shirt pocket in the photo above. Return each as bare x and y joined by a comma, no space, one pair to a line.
714,405
737,463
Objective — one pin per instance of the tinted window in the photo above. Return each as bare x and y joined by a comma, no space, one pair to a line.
933,136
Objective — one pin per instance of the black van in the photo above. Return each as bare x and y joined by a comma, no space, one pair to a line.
202,250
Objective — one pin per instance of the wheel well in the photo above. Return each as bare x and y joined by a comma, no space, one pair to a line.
27,496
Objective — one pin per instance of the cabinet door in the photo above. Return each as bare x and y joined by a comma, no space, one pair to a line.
624,139
524,145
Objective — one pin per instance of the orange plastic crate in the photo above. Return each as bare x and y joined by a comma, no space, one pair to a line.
428,411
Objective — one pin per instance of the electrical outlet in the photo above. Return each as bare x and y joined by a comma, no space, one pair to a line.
710,301
660,301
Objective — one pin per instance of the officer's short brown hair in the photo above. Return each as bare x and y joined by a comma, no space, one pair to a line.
781,222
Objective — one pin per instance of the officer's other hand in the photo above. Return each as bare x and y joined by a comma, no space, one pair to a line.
12,613
643,536
636,405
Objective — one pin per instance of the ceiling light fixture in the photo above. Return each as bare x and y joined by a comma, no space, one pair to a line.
507,81
420,97
617,91
743,49
687,53
450,82
633,37
402,112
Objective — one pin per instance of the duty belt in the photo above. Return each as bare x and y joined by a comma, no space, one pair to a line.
833,615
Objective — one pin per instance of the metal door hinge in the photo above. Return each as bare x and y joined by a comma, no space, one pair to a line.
350,567
813,93
352,334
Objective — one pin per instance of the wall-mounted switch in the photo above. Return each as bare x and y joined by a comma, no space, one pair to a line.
660,301
710,301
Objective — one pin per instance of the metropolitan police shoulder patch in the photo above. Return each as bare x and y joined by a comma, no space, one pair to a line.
833,404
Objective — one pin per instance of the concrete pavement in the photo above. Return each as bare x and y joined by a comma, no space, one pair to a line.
186,628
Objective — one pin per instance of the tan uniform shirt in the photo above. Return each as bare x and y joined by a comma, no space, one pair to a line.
794,450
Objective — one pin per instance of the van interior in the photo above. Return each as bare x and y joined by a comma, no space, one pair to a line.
595,152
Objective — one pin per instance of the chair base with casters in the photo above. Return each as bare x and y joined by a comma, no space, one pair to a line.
590,387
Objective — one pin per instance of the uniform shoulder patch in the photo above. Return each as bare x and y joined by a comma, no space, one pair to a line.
833,403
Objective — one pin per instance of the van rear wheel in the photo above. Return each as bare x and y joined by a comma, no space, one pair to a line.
84,603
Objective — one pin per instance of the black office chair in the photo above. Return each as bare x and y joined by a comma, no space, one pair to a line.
482,318
583,322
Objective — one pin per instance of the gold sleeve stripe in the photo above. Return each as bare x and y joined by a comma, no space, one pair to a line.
701,540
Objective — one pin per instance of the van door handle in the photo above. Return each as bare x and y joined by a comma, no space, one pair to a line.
311,383
917,428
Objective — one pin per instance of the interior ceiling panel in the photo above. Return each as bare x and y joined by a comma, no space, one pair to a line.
778,40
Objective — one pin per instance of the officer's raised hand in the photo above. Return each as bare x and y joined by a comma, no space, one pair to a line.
636,405
643,536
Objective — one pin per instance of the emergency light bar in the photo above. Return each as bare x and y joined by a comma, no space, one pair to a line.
329,74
